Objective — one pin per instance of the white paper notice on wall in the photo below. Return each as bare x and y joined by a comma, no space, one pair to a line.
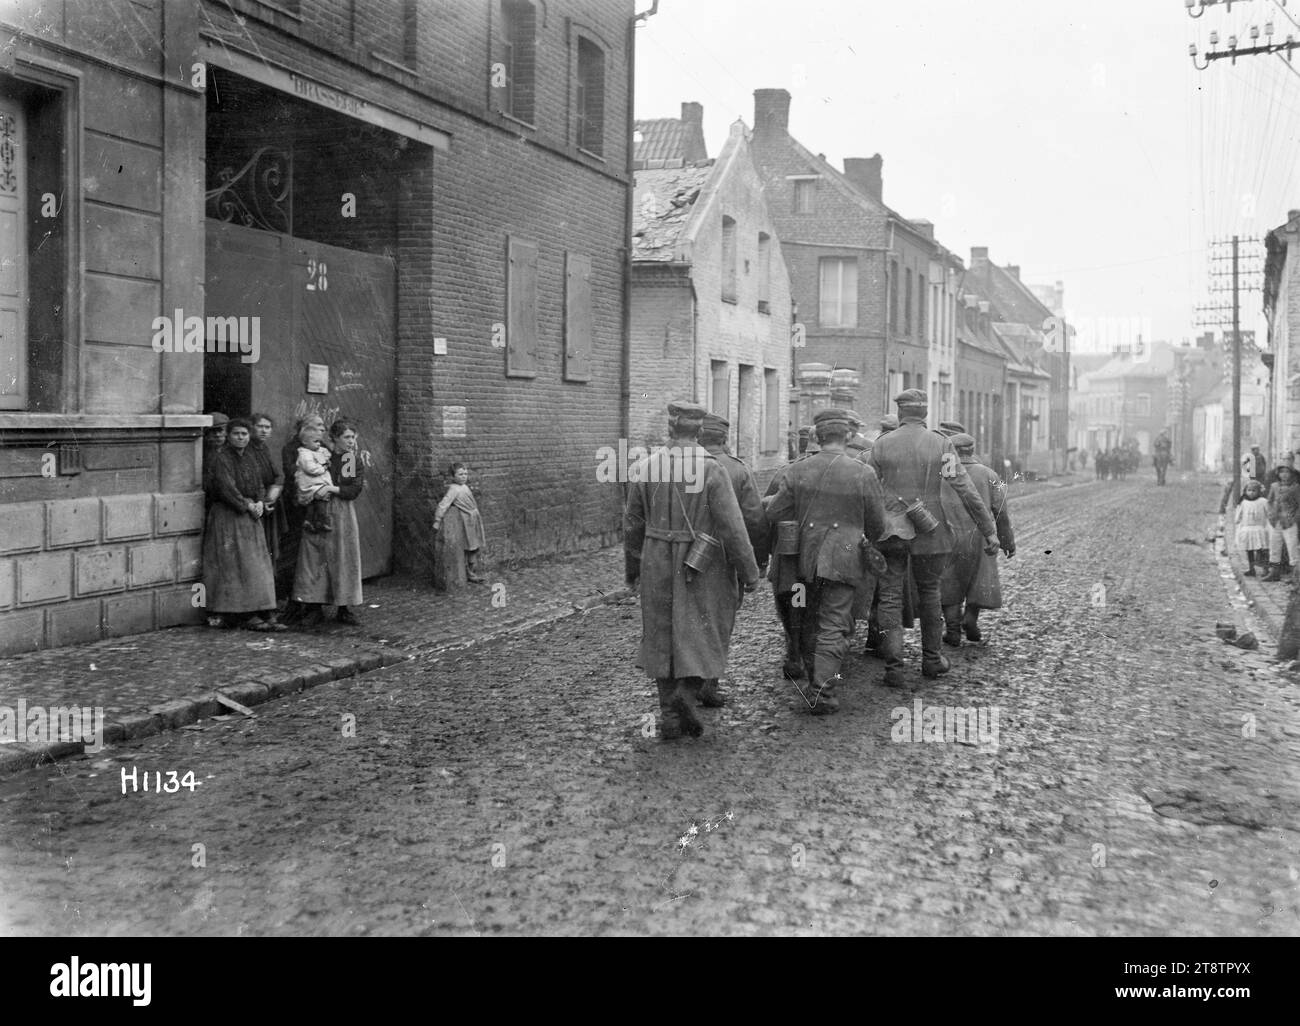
453,421
318,379
439,347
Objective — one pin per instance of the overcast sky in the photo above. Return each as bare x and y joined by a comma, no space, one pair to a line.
1073,139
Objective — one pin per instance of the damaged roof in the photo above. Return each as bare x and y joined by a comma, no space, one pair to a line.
662,202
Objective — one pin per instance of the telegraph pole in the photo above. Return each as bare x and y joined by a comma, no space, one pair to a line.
1221,316
1236,370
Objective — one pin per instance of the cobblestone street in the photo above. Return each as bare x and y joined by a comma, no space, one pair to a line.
1136,776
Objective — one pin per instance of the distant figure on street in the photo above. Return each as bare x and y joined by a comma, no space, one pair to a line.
1162,455
837,503
458,543
685,544
911,462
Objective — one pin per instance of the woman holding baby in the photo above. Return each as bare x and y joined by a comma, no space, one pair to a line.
329,552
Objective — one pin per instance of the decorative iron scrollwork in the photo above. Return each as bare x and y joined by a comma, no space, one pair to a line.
258,195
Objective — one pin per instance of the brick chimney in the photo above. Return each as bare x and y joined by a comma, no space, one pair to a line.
693,147
866,175
1014,271
771,111
923,226
978,253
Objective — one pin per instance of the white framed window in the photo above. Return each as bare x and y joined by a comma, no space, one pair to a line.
838,292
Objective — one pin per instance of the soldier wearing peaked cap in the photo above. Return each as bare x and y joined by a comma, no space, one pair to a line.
970,579
888,423
713,437
948,428
912,462
837,504
859,445
677,496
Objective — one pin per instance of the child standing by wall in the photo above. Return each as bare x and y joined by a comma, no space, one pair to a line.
1251,535
460,533
1283,514
310,476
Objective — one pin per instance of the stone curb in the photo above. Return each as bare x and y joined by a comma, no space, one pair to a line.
19,756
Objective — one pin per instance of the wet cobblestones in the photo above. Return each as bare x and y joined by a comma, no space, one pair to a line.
1144,780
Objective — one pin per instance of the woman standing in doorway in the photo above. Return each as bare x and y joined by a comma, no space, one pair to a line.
237,575
329,563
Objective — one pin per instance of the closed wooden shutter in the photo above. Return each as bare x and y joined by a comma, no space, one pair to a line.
577,317
521,299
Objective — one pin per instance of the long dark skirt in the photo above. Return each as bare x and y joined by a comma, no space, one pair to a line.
289,517
237,572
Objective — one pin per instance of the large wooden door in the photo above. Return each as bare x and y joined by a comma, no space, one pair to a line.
332,307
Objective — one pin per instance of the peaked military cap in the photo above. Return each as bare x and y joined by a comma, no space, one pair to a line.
950,427
961,440
684,409
832,415
912,397
888,422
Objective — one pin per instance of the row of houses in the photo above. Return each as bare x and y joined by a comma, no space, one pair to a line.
434,219
768,283
1185,390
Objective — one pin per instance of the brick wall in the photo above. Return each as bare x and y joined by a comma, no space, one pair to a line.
663,337
530,443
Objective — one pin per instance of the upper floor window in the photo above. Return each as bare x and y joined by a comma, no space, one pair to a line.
803,195
390,31
514,72
907,303
893,295
838,294
922,300
590,100
764,273
728,260
1144,406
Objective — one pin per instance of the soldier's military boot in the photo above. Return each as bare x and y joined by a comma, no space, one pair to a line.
670,724
710,696
891,650
683,704
1274,572
821,697
952,626
971,624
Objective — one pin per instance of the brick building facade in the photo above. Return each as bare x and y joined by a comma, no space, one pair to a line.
425,206
710,303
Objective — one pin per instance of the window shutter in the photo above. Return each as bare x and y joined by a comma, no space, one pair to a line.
577,317
521,300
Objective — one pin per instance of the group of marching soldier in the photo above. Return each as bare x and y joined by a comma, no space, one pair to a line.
902,527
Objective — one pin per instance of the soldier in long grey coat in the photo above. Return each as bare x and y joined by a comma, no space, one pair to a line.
911,462
676,494
837,503
970,579
713,437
